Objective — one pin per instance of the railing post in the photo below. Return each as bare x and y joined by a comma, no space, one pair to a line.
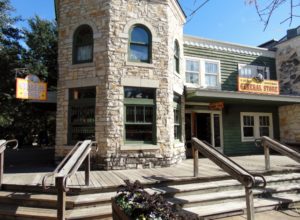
267,156
249,203
1,168
196,161
61,198
87,169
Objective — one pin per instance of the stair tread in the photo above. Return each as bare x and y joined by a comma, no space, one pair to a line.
216,184
192,186
230,194
15,210
24,195
89,212
208,210
89,198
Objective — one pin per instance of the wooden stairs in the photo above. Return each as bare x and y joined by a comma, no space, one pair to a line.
206,199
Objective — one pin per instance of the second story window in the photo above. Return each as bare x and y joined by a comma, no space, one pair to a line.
211,74
176,56
251,71
192,71
203,73
83,45
140,44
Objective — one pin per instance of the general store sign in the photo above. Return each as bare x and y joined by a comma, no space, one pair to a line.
27,89
268,87
216,106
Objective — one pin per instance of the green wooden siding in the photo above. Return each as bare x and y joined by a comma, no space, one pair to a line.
232,128
229,63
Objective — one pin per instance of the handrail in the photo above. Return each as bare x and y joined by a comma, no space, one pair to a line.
3,145
69,166
232,168
268,143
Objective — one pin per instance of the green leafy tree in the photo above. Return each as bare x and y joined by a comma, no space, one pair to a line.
22,119
10,59
41,56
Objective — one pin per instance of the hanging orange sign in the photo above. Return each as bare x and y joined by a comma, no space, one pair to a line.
216,106
27,89
268,87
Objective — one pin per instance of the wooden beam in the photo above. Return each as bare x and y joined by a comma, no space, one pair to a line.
87,169
267,157
196,161
249,203
61,198
1,169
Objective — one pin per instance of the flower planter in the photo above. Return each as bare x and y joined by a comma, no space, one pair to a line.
117,212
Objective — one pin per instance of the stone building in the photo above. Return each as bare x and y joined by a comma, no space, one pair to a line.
121,80
130,80
288,70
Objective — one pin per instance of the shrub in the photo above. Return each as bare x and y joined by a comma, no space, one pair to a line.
137,204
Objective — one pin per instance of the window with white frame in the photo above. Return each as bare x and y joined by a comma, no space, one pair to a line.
255,125
211,73
250,71
192,71
203,72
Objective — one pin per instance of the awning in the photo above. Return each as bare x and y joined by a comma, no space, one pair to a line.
233,97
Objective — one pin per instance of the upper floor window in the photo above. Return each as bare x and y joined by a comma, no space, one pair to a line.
251,71
140,44
176,56
83,44
192,71
211,73
203,72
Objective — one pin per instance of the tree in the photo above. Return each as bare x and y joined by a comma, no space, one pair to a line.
18,118
41,56
265,9
10,58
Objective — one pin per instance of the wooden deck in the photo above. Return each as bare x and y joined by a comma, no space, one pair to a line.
182,171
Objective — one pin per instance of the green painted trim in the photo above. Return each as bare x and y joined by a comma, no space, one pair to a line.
129,101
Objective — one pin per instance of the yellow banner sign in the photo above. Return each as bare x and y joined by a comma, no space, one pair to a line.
268,87
27,89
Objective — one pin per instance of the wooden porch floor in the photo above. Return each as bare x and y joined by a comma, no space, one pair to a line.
182,171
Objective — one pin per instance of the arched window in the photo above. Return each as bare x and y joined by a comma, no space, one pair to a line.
140,44
83,44
176,56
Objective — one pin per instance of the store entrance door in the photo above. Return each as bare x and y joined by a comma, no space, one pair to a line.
208,128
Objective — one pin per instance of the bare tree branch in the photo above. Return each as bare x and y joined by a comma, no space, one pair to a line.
266,11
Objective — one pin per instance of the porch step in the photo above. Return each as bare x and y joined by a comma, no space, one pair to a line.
205,199
221,185
26,213
231,195
227,209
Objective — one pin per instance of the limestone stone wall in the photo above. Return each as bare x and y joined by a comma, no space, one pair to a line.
288,66
290,123
288,70
110,71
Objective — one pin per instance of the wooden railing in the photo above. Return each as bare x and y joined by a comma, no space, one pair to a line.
268,143
80,154
233,169
3,145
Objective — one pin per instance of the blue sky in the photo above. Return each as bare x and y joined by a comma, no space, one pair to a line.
225,20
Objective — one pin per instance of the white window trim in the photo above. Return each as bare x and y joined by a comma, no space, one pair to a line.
201,76
242,65
256,125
